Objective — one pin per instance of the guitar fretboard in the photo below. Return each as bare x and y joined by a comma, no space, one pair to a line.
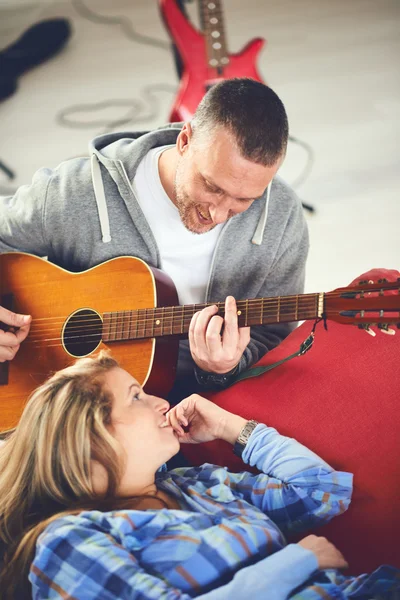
211,19
175,320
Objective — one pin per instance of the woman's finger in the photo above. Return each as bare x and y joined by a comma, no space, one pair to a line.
173,420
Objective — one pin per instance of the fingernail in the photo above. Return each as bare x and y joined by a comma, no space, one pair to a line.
25,318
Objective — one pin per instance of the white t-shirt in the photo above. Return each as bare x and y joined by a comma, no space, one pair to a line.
185,256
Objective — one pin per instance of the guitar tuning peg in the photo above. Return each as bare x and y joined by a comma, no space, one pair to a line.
382,280
386,329
370,281
367,329
363,282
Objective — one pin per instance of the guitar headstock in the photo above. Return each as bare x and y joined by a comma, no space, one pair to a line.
368,303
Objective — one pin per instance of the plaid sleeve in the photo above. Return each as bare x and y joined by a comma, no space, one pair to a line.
297,489
82,558
74,561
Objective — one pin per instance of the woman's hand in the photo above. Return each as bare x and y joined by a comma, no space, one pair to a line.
198,420
328,556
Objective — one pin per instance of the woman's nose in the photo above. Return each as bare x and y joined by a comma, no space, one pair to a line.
160,404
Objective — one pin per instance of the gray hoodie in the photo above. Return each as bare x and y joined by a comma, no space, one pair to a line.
85,212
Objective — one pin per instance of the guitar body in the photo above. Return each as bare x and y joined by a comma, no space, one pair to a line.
197,75
30,285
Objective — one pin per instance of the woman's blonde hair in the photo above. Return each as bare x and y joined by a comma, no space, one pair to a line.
45,465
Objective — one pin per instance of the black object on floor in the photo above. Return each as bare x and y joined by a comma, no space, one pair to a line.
39,43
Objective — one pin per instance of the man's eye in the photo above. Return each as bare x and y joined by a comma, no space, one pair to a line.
211,188
136,396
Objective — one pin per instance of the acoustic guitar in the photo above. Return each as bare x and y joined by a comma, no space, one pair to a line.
132,309
204,54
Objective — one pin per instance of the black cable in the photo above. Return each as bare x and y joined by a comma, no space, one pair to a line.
87,13
139,110
309,164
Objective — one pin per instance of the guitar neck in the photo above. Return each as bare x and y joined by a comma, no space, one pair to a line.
175,320
212,23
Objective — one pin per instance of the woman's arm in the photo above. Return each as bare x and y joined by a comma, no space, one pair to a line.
75,558
297,489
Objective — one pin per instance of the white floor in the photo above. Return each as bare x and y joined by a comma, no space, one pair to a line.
335,66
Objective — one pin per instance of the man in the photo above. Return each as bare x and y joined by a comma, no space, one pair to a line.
199,201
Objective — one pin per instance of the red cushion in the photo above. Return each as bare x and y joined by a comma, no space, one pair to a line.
341,399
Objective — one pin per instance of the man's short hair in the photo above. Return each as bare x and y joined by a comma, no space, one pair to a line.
252,112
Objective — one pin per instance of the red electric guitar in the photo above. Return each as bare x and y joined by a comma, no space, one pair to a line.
204,55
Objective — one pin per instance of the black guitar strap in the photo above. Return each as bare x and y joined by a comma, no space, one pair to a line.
305,347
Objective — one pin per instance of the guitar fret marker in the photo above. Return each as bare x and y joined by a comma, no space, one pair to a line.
239,312
213,62
213,20
211,5
225,60
217,46
158,322
215,34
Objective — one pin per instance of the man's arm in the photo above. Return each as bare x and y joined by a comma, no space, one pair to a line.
22,217
286,278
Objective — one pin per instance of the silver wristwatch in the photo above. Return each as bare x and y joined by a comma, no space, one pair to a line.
243,437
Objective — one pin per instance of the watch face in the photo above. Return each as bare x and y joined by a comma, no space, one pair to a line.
246,432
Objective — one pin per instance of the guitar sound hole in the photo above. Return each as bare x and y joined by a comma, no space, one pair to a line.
82,332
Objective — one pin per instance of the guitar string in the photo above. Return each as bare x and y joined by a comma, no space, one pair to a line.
123,322
200,305
175,319
284,300
255,310
387,321
179,311
164,329
367,291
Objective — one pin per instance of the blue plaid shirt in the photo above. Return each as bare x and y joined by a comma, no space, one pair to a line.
226,541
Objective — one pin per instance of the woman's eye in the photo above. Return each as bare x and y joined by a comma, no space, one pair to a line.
136,396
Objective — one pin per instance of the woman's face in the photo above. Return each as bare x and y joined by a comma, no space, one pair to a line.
137,422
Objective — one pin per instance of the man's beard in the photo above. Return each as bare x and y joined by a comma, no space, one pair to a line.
187,211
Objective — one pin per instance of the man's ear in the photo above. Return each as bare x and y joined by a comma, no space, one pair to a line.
184,138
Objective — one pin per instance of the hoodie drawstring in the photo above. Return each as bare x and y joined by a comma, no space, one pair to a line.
103,212
259,232
100,199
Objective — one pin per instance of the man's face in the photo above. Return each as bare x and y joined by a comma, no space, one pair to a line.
213,181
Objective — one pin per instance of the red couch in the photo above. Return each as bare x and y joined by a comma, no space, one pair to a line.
342,400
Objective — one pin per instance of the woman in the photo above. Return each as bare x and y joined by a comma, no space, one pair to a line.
87,509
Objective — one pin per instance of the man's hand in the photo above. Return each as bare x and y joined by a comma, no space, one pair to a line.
212,351
18,329
328,556
198,420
